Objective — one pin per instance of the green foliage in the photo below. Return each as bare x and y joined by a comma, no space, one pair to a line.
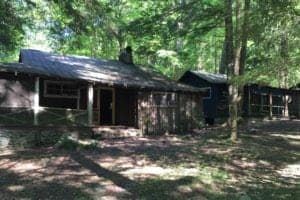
271,20
172,35
150,27
69,141
11,32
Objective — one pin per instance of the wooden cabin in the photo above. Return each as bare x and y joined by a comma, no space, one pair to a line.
259,101
265,101
46,89
215,99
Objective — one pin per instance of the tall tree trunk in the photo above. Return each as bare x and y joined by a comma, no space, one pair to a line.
284,69
236,46
179,39
244,39
284,56
233,90
223,66
244,36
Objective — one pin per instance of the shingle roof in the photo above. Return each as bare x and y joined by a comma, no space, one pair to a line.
211,77
109,72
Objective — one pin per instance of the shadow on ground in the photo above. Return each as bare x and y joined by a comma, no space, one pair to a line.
264,165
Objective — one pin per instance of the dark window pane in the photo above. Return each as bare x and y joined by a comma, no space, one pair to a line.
207,93
53,89
61,89
157,99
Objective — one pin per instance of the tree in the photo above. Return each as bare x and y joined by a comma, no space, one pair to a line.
99,29
11,30
269,21
235,57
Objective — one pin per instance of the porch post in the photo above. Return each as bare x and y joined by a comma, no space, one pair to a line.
249,101
286,105
90,103
298,103
261,103
113,107
36,101
271,105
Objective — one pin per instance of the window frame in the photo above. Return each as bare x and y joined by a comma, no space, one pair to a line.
168,105
61,83
207,88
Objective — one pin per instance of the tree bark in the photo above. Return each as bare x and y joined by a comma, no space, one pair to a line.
236,46
284,69
233,90
223,66
244,36
243,54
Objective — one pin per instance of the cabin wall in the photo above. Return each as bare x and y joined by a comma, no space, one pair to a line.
16,91
16,99
190,115
160,112
215,106
294,106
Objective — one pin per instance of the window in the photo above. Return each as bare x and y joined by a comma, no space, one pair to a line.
277,100
265,102
164,99
60,89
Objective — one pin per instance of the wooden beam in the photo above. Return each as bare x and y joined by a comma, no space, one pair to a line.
113,107
298,103
36,101
90,101
78,99
261,104
286,105
249,101
271,105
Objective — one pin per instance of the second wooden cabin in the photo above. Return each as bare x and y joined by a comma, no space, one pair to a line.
259,101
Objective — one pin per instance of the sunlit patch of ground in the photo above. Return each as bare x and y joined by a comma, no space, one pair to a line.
290,171
202,166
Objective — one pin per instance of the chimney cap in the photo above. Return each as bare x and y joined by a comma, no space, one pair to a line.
126,55
128,49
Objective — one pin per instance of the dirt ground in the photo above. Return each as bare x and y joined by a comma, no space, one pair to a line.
264,164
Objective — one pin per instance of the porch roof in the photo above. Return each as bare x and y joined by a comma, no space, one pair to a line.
109,72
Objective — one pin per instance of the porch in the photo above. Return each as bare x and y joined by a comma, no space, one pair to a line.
263,101
105,109
104,105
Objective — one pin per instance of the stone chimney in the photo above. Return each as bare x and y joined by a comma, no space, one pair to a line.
126,55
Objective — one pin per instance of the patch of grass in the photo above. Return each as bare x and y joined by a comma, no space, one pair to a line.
70,143
162,188
66,143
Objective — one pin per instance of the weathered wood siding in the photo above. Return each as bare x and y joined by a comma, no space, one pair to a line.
16,91
294,106
159,113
